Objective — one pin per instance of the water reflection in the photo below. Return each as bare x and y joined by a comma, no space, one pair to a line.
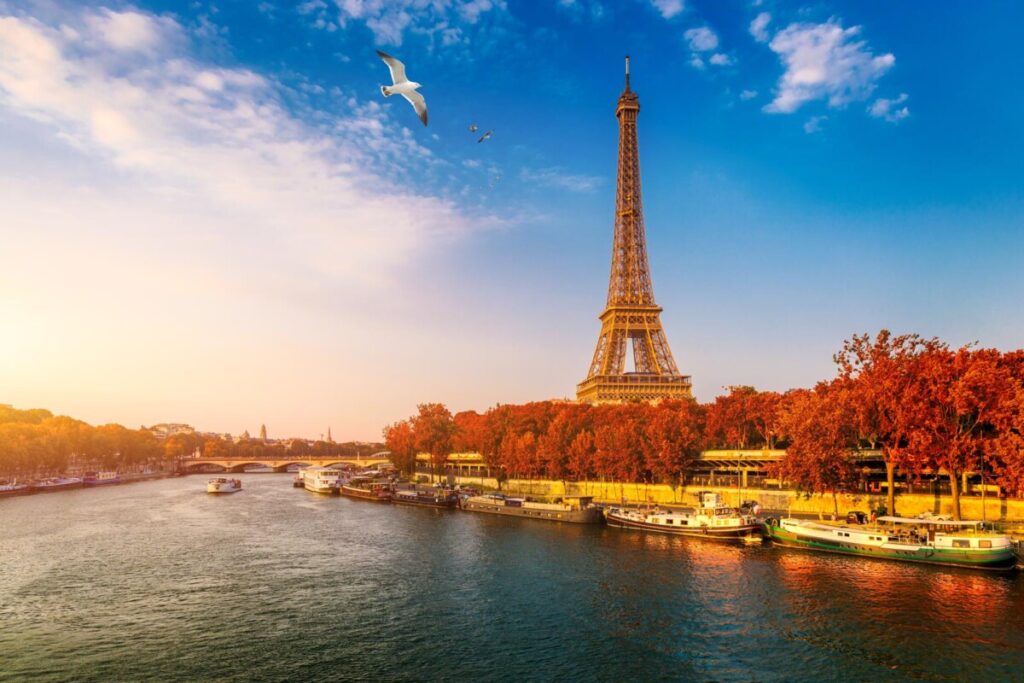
159,581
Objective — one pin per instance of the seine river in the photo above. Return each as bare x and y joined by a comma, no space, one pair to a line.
160,581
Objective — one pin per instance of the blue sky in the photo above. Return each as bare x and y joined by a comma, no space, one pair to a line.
211,215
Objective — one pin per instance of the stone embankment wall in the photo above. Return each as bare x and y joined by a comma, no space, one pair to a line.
790,502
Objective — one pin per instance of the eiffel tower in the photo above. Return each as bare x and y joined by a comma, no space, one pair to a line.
631,318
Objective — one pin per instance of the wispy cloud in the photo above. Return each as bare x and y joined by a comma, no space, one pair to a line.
389,20
759,27
824,62
890,110
125,95
701,39
748,94
668,8
558,178
813,124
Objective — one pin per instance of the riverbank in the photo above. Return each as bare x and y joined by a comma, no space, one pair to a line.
1004,510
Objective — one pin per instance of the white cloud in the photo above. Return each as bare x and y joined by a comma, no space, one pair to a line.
697,63
557,178
824,61
701,39
890,110
390,19
748,94
813,124
132,31
220,143
720,59
759,27
668,8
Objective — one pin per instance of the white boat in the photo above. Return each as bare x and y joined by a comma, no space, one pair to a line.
322,479
712,519
961,544
101,478
14,489
223,485
58,484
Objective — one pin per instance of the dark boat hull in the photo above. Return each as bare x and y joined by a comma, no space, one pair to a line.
425,502
586,516
731,533
364,494
966,560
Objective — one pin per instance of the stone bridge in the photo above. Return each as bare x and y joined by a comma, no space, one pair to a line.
282,464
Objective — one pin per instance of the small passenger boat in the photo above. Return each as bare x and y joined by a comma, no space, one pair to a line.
57,484
712,519
101,478
14,490
435,498
574,509
943,542
365,489
223,485
321,480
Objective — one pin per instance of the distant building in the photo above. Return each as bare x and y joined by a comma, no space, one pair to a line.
263,432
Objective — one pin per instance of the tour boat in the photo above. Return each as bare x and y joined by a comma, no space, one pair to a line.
376,491
575,509
712,519
101,478
57,484
14,489
321,479
223,485
435,498
943,542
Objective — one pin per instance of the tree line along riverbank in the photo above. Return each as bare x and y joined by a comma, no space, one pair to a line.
929,410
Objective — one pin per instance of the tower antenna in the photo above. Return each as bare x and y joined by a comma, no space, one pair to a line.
627,72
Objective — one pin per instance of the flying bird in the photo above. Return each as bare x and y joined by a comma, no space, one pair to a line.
473,128
485,136
400,85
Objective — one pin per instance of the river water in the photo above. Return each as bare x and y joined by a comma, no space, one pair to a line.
161,581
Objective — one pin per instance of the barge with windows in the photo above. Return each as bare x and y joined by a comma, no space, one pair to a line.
573,509
712,519
433,498
942,542
365,489
321,480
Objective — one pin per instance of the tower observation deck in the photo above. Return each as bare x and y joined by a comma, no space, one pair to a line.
631,318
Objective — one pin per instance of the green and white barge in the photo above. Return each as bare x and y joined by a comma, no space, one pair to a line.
950,543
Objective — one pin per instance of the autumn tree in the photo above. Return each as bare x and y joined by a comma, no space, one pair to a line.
822,441
401,441
433,428
959,401
877,374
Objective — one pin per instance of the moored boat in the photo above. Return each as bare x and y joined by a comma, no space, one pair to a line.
321,480
57,484
712,519
573,509
435,498
942,542
14,490
101,478
365,489
223,485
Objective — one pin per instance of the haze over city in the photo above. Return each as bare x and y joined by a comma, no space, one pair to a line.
211,216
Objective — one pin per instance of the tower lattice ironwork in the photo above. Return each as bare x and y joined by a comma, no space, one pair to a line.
631,317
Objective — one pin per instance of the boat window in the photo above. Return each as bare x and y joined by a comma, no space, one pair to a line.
961,543
984,544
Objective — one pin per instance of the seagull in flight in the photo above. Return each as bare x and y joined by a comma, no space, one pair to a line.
400,85
473,128
485,136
